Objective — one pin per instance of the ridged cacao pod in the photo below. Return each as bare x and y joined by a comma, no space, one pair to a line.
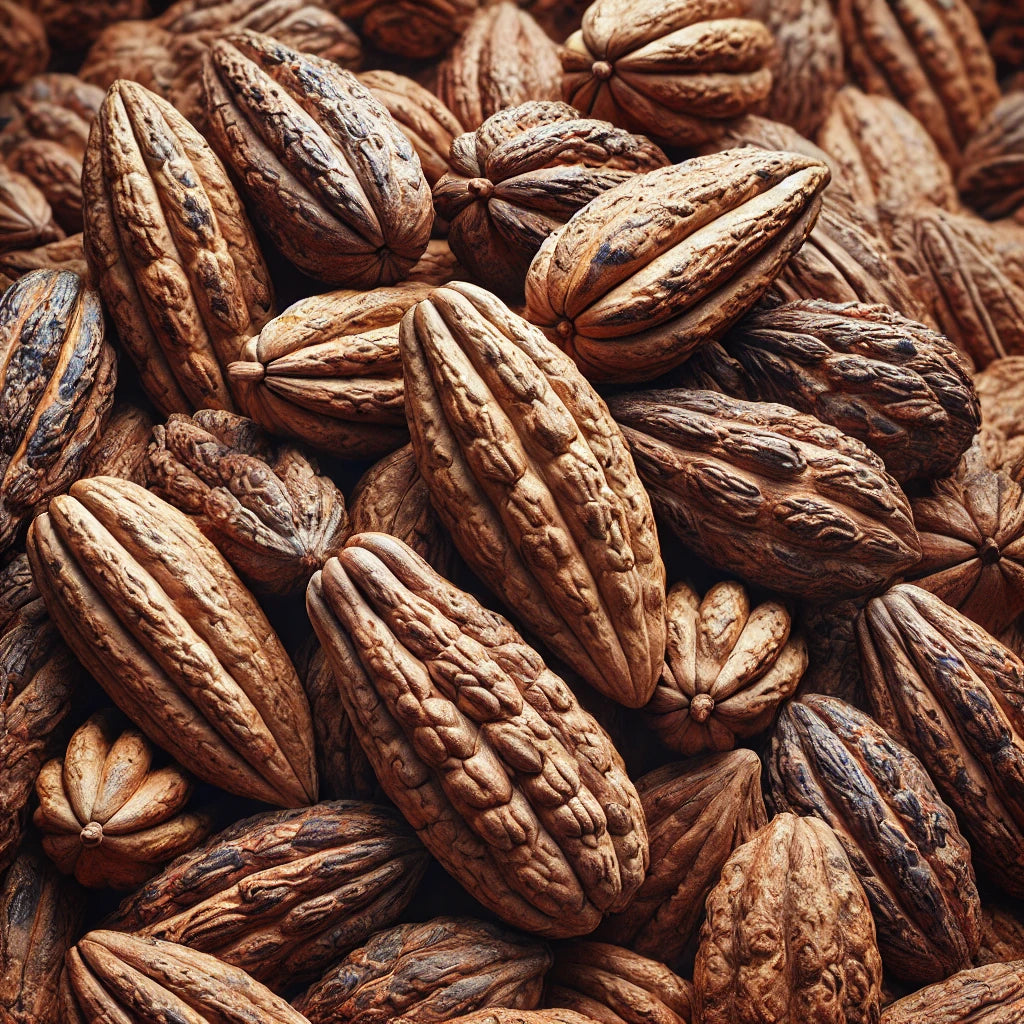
57,378
991,178
433,971
831,761
668,260
121,448
283,894
17,587
1000,388
73,26
162,622
152,186
416,28
697,813
26,220
293,128
1002,935
533,480
728,667
983,995
769,493
833,662
26,50
62,254
953,694
500,1015
513,787
789,933
890,382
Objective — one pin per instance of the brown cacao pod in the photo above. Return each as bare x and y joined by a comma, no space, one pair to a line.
137,50
616,986
38,678
293,128
57,378
532,478
728,667
114,977
438,265
523,174
672,69
416,28
1000,388
953,694
928,54
830,761
26,51
1002,935
270,513
668,260
106,815
328,371
983,995
73,25
57,173
40,918
502,59
888,381
170,247
26,220
434,971
283,894
971,527
501,1015
160,619
392,497
833,661
788,913
63,254
991,178
513,787
121,448
768,493
17,587
697,813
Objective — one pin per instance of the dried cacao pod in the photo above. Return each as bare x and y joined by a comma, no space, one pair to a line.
789,933
888,381
293,128
35,105
57,378
697,813
833,661
328,371
971,527
616,986
153,187
392,497
532,478
17,587
1000,388
115,977
1002,935
436,266
668,260
137,50
283,894
57,173
26,219
434,971
270,513
768,493
672,69
73,25
502,59
991,178
949,691
106,815
511,785
423,119
26,51
728,667
830,761
522,175
982,995
121,448
63,254
928,54
40,918
416,28
38,677
160,619
500,1015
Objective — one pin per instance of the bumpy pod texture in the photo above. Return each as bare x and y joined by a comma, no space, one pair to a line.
697,813
952,693
121,449
26,219
512,786
433,971
991,177
72,25
728,667
416,28
769,493
326,169
983,995
106,815
286,893
666,261
789,934
891,382
672,69
26,50
533,479
115,977
832,762
57,378
171,249
17,587
162,622
1002,936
